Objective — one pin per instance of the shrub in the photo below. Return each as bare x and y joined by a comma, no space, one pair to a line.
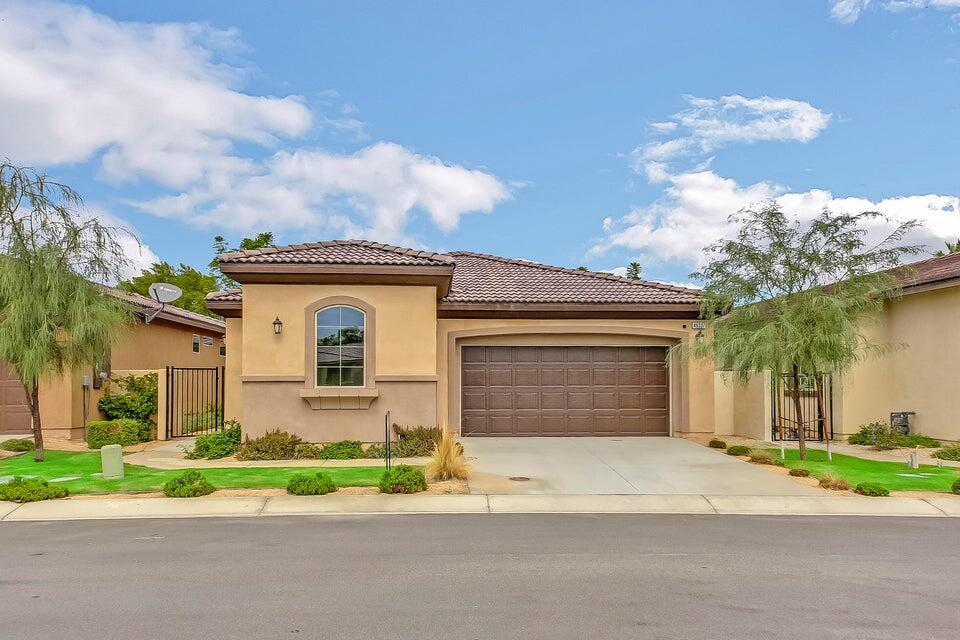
202,420
762,456
306,451
448,460
403,479
273,445
342,450
30,490
189,484
304,484
375,450
800,472
955,488
948,453
917,440
717,444
17,444
834,483
412,442
881,436
738,450
124,432
217,445
137,402
872,489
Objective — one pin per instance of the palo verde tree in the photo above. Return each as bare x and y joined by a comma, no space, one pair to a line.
53,314
794,298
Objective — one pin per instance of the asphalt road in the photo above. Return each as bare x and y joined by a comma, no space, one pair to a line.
485,576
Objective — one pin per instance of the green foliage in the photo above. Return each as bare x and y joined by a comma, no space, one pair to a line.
375,450
217,445
403,479
273,445
412,442
259,241
124,432
342,450
138,402
55,316
882,437
955,487
303,484
800,472
30,490
872,489
762,456
189,484
738,450
634,270
307,451
17,444
948,453
717,444
195,285
203,420
952,247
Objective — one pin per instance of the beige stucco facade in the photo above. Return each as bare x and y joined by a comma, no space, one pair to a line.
413,360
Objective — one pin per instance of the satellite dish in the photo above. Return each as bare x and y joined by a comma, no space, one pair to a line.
164,293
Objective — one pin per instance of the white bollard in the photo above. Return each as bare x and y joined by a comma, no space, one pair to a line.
111,461
915,459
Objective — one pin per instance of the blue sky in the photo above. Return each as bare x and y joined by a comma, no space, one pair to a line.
565,132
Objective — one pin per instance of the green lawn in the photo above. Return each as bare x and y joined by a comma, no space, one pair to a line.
61,464
889,474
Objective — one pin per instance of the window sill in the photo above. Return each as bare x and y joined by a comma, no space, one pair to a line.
340,397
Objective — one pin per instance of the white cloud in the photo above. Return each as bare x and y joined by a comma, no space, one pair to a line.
159,102
709,124
383,183
139,254
152,98
849,11
694,208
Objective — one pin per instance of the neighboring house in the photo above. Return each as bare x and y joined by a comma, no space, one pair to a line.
920,372
175,337
324,339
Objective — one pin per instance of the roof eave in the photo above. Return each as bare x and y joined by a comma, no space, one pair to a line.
439,276
660,310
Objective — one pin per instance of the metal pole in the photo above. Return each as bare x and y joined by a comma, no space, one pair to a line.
386,440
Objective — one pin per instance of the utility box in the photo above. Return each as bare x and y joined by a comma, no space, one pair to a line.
900,420
111,460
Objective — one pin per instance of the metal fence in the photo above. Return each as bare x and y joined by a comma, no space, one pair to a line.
194,400
813,400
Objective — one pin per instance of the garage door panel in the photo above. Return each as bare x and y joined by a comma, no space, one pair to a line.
558,391
14,410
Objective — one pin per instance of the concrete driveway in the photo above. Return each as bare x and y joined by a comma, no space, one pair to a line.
616,466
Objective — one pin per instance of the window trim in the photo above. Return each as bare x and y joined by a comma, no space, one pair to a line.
369,341
316,365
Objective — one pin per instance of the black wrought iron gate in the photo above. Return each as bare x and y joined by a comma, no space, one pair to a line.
194,401
815,399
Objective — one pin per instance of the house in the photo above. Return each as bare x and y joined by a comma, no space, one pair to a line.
174,337
919,372
325,339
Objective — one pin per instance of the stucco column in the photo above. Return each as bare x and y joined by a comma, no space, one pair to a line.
161,404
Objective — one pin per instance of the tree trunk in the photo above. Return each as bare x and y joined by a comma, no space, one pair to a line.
798,409
33,394
823,418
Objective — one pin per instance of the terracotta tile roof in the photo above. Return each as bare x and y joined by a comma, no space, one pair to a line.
929,271
339,252
227,295
484,278
170,312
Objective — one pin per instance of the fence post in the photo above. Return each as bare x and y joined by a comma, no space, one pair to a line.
162,404
386,440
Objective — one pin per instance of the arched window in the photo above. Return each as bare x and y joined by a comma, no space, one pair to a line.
340,353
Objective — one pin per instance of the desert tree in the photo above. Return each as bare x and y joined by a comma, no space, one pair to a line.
634,270
794,298
54,312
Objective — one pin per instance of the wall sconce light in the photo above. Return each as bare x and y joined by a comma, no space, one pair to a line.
277,326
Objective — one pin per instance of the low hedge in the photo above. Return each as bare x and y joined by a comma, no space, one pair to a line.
189,484
717,444
124,432
273,445
342,450
31,490
872,489
375,450
738,450
403,479
17,444
956,487
217,445
304,484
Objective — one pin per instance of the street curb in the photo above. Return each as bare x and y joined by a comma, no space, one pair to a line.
345,505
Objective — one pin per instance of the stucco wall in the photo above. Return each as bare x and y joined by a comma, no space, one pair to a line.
920,374
233,407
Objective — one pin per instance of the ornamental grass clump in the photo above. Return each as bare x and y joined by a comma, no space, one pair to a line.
834,482
800,472
448,461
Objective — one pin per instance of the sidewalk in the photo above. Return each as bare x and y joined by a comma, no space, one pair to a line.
112,508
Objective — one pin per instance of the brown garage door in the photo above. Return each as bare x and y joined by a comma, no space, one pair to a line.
564,391
14,412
